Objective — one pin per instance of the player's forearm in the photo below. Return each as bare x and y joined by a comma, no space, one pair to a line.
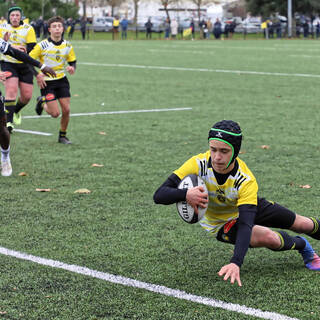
168,193
247,215
21,56
73,64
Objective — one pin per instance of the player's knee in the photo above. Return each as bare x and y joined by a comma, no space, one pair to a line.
272,240
25,98
55,114
267,238
302,224
66,111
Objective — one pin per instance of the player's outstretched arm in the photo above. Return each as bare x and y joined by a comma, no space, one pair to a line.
22,56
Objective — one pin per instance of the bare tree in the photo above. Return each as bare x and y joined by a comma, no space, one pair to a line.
200,3
166,3
84,7
114,4
136,9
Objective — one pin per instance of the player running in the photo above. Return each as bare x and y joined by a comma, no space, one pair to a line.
55,52
235,213
22,37
8,50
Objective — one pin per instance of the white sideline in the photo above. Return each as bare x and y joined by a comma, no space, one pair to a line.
33,132
112,112
239,72
146,286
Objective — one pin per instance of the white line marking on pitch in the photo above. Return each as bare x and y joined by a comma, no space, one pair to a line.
304,75
146,286
111,112
33,132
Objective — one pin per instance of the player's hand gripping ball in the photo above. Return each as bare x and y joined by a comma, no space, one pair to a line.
185,210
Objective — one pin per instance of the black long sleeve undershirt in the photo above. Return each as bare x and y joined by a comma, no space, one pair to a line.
247,214
73,64
30,46
22,56
168,193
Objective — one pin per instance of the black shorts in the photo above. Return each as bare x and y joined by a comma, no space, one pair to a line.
22,71
269,214
59,88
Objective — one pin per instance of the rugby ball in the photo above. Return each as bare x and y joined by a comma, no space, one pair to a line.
185,210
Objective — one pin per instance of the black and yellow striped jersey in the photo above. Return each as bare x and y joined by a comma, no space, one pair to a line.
240,188
54,55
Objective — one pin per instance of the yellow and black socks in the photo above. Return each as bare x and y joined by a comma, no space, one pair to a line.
19,106
62,134
315,233
290,243
10,106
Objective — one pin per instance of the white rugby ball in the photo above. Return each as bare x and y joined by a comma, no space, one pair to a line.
185,210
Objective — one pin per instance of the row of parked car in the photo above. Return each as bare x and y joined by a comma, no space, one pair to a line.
105,24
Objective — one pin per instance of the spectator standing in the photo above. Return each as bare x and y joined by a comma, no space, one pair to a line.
83,27
306,29
167,29
115,27
203,29
174,28
209,27
192,29
39,26
45,29
149,26
232,28
270,29
217,30
70,28
318,29
226,30
124,27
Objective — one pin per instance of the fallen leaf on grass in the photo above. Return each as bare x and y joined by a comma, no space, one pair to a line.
76,95
82,191
97,165
242,152
3,312
305,186
264,146
43,190
102,133
23,174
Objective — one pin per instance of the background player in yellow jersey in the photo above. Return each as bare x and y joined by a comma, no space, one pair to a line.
7,49
22,37
235,213
55,52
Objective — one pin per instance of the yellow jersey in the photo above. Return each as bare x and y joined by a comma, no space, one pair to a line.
242,188
54,55
21,35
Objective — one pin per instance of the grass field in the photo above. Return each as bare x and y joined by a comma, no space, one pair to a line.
270,87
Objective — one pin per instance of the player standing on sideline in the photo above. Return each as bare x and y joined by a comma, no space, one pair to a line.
22,37
235,213
7,49
55,52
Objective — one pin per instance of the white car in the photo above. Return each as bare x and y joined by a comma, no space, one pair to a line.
102,24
